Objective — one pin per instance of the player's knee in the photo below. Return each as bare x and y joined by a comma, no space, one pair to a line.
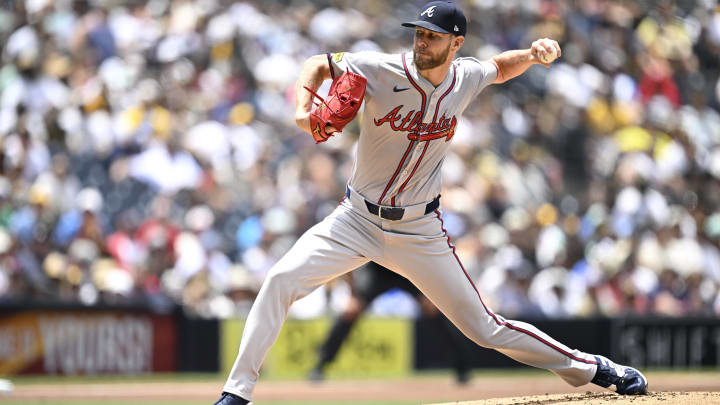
483,339
281,282
287,286
483,336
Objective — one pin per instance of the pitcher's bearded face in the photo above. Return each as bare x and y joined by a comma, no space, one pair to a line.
430,48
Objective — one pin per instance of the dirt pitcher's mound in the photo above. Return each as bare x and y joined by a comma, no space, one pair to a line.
605,398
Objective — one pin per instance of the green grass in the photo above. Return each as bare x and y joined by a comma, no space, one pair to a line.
220,378
25,402
120,379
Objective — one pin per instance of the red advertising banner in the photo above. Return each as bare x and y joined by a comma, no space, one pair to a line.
92,343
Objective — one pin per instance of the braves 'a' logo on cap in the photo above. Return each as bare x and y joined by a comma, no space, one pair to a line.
429,11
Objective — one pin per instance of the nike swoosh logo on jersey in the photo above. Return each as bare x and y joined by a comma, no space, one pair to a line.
396,89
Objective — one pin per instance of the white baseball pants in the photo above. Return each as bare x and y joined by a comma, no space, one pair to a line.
417,248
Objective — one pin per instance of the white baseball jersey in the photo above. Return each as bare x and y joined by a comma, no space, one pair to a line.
408,123
406,130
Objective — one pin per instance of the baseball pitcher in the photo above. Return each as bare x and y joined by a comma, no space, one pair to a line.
391,211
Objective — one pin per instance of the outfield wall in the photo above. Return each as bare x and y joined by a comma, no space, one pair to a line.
642,342
380,347
75,340
386,347
71,340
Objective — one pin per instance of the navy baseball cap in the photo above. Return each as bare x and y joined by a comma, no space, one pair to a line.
441,16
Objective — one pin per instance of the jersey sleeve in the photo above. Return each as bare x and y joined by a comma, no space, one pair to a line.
363,63
480,73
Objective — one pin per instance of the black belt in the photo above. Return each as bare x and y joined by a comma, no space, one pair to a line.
394,213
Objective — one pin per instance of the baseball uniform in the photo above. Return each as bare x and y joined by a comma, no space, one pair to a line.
391,216
369,282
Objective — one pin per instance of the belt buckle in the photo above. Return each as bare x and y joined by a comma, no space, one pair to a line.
391,213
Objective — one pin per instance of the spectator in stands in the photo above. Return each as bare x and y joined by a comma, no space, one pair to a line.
119,121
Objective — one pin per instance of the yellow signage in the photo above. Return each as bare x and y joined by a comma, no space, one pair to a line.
376,346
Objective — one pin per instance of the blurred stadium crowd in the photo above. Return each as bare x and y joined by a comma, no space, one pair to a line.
149,152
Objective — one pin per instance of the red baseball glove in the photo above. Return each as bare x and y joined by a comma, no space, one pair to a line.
341,106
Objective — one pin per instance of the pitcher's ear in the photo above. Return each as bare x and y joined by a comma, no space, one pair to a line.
458,42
